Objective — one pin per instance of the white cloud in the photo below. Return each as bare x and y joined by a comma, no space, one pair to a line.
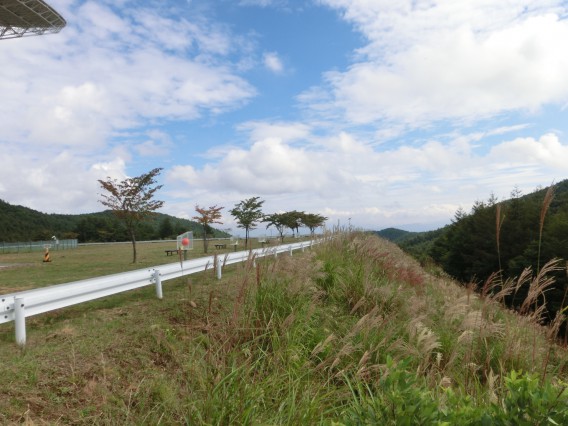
547,151
429,61
284,131
102,22
184,173
273,62
116,74
341,177
158,143
96,101
262,3
170,33
63,183
73,96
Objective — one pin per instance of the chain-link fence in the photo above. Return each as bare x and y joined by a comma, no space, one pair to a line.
29,246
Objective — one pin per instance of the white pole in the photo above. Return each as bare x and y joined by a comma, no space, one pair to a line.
219,266
20,321
290,250
158,281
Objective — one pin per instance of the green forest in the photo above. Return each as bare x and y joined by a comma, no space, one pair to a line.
502,240
18,223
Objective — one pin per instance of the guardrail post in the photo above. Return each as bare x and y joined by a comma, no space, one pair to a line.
219,266
158,282
20,321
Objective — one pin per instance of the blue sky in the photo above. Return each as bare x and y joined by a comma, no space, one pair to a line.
391,113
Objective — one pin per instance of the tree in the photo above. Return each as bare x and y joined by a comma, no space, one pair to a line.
132,200
92,228
278,220
205,218
294,220
166,228
313,221
248,213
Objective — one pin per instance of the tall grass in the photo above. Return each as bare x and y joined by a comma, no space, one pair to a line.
499,219
352,332
548,197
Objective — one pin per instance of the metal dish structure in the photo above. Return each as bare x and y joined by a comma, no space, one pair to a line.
20,18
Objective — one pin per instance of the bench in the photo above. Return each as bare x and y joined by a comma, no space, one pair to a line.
220,246
170,252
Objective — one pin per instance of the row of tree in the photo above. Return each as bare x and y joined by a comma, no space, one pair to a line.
132,201
248,214
105,227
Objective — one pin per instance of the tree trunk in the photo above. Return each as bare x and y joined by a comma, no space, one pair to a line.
133,239
205,243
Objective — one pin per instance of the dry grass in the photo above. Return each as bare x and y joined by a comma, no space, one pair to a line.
277,341
548,197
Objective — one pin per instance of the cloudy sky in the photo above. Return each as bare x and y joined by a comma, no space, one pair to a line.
388,112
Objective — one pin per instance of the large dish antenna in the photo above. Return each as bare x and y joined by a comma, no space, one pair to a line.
20,18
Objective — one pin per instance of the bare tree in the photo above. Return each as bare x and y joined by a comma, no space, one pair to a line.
132,200
207,217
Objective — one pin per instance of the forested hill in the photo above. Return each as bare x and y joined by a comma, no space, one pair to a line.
395,235
469,246
417,244
18,223
503,235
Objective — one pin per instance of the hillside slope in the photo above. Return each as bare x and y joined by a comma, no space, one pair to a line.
18,223
417,244
352,332
395,235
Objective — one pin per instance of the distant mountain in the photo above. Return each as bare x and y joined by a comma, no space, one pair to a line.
18,223
395,235
418,244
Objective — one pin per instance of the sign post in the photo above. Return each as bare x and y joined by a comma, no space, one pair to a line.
185,243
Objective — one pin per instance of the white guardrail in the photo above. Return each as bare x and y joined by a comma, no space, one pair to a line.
18,306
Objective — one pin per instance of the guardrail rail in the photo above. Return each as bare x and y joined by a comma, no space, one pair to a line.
18,306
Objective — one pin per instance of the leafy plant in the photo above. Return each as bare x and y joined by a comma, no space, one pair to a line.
132,200
247,214
207,217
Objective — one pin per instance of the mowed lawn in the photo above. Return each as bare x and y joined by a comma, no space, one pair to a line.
25,271
28,270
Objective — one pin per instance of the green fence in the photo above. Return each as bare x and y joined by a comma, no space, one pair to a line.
29,246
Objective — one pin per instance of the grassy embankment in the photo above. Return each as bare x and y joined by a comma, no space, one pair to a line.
351,332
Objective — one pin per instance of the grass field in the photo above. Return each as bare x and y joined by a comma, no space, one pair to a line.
350,332
27,270
87,331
